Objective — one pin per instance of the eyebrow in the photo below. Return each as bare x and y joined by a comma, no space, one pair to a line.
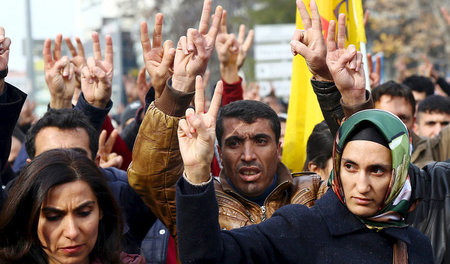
386,166
260,135
49,209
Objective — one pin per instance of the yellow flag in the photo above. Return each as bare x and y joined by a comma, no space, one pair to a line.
304,111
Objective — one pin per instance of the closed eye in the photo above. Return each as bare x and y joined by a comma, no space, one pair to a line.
53,217
84,213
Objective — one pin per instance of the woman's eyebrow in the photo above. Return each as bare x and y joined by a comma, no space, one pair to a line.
49,209
348,160
85,204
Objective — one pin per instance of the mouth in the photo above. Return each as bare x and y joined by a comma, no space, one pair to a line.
72,249
362,201
249,174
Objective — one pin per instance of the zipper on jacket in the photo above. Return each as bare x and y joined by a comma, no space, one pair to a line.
263,213
250,216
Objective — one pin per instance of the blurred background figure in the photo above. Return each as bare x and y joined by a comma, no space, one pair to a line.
319,151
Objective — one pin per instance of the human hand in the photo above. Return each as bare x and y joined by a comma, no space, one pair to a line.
105,146
446,15
193,52
4,55
310,44
345,65
226,44
245,43
366,17
27,115
158,59
130,85
59,74
78,58
143,86
227,48
427,69
196,134
97,74
375,76
251,91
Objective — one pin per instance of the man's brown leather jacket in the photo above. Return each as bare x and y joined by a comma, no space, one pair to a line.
157,165
235,211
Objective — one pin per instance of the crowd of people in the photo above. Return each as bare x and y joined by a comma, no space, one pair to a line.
178,178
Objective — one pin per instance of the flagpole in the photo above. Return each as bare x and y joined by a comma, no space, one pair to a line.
362,48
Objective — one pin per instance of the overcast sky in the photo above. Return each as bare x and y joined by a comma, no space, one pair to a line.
49,17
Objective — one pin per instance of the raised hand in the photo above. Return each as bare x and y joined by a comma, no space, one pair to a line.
97,74
245,44
251,91
143,86
227,46
345,65
78,59
446,15
310,44
4,54
374,75
231,51
193,52
105,145
59,75
158,59
196,134
27,115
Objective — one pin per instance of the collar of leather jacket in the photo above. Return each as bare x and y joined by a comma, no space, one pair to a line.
284,177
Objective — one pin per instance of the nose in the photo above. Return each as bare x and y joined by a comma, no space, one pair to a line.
248,154
436,129
363,183
71,229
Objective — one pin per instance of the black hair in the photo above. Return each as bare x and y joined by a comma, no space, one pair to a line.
19,241
247,111
396,90
419,84
62,119
435,104
319,148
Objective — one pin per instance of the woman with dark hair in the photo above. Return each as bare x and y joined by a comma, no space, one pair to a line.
319,151
61,211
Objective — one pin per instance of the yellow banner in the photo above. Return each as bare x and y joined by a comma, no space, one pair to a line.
304,111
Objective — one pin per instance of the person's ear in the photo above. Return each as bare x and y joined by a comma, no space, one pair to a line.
313,167
97,160
28,161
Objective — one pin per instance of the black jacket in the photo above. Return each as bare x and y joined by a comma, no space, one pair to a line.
431,186
325,233
11,102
